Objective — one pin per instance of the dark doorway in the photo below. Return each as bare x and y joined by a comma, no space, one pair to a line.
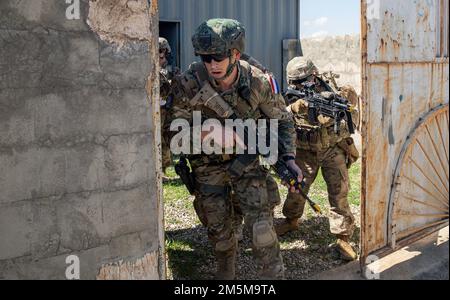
171,31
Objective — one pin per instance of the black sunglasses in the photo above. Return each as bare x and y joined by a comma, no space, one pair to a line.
217,57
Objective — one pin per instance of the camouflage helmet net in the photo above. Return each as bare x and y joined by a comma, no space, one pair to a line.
164,44
218,36
299,68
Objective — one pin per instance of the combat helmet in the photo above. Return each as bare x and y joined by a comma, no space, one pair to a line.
164,44
219,36
299,68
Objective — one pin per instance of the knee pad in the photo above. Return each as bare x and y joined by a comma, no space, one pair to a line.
263,234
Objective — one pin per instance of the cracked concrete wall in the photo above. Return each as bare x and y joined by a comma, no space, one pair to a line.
79,140
341,54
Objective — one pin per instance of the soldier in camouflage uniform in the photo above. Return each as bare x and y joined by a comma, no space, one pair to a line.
272,186
166,74
320,147
219,43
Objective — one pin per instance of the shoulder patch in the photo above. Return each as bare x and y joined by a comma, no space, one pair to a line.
273,84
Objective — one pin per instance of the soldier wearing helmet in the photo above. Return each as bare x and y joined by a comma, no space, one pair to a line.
164,52
318,146
166,74
220,43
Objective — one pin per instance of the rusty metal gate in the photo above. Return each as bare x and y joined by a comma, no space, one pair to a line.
405,77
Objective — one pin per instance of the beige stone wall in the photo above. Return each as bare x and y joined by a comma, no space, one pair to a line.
340,54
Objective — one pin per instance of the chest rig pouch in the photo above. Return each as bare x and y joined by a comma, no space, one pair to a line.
309,138
229,105
238,99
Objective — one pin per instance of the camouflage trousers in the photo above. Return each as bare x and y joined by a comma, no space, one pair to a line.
165,144
335,172
215,208
274,200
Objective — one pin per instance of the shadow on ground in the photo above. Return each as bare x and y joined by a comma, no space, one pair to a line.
306,252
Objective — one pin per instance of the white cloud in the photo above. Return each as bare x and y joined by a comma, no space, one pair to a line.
322,21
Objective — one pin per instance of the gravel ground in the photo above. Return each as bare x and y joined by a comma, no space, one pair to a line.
306,252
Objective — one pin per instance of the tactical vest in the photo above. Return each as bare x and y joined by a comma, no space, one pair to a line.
317,138
238,99
320,137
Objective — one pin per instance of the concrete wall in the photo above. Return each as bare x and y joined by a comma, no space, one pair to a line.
340,54
78,141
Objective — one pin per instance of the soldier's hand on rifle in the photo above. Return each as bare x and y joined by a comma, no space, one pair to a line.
290,162
226,138
323,120
299,106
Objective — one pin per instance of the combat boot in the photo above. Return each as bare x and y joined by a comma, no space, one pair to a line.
287,226
345,249
275,272
226,265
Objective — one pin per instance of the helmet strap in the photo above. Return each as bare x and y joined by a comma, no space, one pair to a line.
230,69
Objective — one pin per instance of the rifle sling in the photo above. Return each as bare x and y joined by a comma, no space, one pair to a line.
242,161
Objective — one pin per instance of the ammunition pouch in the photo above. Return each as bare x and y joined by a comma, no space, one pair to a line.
309,138
348,145
210,160
214,190
319,138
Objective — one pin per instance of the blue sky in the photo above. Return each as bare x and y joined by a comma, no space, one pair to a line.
329,17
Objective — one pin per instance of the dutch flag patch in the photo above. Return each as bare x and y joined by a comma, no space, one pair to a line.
274,85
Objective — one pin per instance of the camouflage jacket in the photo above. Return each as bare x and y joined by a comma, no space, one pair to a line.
166,74
322,136
251,97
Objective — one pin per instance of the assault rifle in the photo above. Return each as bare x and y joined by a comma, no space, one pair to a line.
336,107
288,176
209,98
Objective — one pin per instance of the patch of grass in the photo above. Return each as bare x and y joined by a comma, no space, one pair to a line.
174,190
354,195
183,260
170,172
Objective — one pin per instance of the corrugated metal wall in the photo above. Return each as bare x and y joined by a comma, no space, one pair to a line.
267,23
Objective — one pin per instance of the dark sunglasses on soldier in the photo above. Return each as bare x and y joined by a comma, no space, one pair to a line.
217,57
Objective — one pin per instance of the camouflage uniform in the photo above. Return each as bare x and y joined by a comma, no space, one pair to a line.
273,192
320,147
251,98
272,186
166,74
237,213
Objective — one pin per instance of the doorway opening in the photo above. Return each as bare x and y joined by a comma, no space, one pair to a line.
306,251
385,217
170,30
